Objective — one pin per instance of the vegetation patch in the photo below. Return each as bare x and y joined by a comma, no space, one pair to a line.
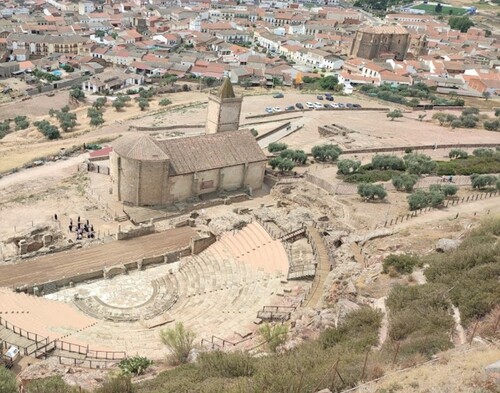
409,95
470,165
420,322
471,273
306,368
401,263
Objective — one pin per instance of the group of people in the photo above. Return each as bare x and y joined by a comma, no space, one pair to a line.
447,179
82,229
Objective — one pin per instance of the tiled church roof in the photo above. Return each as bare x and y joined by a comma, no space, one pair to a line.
193,154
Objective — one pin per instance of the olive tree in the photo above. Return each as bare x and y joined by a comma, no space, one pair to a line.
369,191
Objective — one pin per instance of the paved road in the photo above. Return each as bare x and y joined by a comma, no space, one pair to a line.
69,263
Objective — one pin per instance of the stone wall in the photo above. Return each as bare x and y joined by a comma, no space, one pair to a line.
131,232
201,243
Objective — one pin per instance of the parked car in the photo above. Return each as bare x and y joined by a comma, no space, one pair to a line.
320,97
329,106
329,98
356,105
269,109
310,105
278,95
290,108
349,105
341,105
298,105
318,105
335,105
277,109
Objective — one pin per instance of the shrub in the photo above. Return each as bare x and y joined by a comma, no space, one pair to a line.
99,103
77,93
395,114
446,189
482,181
346,167
421,199
275,161
274,335
220,364
440,117
385,161
21,122
492,125
370,176
365,322
164,102
7,381
276,146
470,111
48,130
370,191
96,117
456,123
179,341
326,152
286,165
50,385
401,263
419,164
472,272
469,121
405,182
117,384
136,365
483,152
118,104
143,104
67,120
425,331
469,166
457,153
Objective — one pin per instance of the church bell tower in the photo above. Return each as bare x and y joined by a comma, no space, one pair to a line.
224,110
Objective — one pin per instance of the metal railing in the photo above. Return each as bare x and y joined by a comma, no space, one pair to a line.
37,339
89,353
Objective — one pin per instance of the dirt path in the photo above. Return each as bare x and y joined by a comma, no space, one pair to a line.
459,329
46,175
468,209
382,334
73,262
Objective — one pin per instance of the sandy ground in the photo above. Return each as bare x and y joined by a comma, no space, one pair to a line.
456,371
369,129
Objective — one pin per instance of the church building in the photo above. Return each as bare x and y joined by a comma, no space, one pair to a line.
149,172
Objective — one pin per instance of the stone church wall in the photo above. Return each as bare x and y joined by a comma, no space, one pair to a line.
128,179
179,187
232,177
208,181
255,175
153,178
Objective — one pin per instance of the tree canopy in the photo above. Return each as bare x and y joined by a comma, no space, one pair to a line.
462,23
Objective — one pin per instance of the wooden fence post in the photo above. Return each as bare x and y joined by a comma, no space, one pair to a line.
473,332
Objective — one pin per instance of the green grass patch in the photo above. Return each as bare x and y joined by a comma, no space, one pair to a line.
431,9
470,165
371,176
